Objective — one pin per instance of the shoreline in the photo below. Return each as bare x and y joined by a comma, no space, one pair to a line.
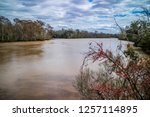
58,38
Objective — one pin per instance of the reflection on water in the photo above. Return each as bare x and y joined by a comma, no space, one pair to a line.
43,70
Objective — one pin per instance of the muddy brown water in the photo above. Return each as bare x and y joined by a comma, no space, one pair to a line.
44,70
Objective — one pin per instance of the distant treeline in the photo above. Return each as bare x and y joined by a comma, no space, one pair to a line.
29,30
70,33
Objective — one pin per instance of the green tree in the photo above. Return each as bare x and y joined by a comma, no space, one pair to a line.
139,31
24,30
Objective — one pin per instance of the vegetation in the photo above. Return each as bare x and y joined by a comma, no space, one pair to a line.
139,31
70,33
23,30
28,30
125,76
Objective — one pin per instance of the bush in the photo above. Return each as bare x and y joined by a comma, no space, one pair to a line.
138,31
124,76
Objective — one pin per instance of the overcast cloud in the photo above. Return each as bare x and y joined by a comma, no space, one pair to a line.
91,15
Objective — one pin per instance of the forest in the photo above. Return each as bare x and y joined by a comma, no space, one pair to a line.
29,30
23,30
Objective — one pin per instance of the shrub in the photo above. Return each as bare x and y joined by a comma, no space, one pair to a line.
124,76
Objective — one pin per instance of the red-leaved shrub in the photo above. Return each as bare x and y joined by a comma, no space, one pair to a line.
124,76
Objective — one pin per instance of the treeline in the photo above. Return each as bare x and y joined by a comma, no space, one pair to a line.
70,33
23,30
139,31
29,30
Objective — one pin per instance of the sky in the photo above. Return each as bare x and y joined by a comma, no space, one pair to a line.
90,15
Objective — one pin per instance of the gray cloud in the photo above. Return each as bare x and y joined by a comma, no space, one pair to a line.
84,14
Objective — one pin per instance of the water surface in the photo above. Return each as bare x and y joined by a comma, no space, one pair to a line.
44,70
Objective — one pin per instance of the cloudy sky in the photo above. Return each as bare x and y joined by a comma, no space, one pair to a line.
91,15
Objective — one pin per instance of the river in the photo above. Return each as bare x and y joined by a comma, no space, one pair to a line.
44,69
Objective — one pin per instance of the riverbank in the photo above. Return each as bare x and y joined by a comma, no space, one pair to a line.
56,38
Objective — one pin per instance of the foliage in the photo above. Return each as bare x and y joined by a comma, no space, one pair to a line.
139,31
131,53
28,30
24,30
70,33
125,76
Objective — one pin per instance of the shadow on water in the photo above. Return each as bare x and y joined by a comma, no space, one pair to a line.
5,94
17,50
